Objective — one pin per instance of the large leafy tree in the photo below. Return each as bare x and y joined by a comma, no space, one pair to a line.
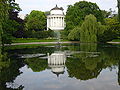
75,14
118,1
3,16
88,31
9,22
14,23
112,32
36,21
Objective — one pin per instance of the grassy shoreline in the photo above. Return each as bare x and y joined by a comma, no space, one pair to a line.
116,40
29,40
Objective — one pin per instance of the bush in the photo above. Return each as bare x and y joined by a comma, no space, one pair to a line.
7,39
39,34
108,35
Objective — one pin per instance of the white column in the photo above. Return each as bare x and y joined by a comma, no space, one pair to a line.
47,23
61,22
53,21
56,22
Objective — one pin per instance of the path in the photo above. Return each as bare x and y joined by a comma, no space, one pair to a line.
42,43
114,42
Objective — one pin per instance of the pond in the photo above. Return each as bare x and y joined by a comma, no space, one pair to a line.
67,67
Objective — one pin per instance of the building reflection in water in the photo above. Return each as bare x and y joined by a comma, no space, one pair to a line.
56,61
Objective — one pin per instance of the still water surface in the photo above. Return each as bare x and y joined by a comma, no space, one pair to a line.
71,67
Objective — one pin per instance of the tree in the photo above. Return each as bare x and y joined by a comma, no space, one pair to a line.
9,22
36,21
106,14
88,31
74,34
118,1
75,14
112,31
3,16
37,64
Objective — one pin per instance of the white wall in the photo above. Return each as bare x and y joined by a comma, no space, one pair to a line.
56,12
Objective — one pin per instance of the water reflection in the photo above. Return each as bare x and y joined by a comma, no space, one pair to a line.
94,64
119,73
56,61
9,70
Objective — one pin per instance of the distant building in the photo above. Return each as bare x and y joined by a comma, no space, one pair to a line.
55,21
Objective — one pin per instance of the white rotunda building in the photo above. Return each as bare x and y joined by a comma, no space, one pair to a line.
56,61
55,21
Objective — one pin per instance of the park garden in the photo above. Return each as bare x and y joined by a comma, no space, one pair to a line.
31,58
85,22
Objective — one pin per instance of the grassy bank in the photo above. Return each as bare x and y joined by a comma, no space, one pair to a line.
116,40
28,40
31,46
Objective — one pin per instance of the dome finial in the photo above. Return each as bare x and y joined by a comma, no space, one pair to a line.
56,5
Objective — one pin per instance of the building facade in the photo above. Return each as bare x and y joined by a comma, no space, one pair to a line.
55,21
56,61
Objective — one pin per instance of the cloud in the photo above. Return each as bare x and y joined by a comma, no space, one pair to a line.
46,5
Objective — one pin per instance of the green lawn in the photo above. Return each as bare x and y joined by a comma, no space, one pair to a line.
116,40
30,46
27,40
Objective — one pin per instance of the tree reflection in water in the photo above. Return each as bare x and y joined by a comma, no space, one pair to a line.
86,64
9,70
83,62
91,60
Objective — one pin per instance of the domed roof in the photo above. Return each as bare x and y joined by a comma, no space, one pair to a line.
57,8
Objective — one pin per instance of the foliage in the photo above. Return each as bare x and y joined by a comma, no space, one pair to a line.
87,63
3,16
76,14
39,34
9,70
116,40
118,5
89,30
74,34
112,32
106,14
47,13
9,22
37,64
91,60
36,21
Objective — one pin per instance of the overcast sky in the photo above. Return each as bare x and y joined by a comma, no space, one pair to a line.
46,5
